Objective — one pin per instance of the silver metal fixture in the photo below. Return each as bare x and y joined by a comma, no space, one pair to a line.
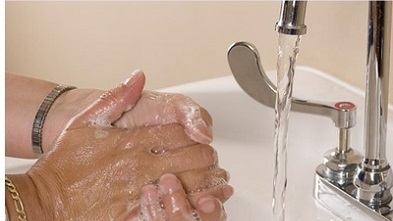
292,17
244,61
345,181
375,178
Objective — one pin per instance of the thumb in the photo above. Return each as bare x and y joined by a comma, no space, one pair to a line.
112,104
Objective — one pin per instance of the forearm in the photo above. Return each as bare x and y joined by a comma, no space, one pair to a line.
23,98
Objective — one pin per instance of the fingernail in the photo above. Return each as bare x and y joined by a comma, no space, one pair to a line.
133,217
169,184
133,78
206,205
201,133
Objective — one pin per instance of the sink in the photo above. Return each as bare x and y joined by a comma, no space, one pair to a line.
244,133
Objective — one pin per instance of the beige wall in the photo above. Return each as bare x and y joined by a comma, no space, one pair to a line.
97,44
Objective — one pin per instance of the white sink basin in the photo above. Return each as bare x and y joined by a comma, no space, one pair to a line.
243,137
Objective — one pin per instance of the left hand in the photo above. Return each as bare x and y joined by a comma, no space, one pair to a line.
155,108
143,109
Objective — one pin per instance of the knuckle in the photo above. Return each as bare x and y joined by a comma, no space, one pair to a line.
221,173
209,154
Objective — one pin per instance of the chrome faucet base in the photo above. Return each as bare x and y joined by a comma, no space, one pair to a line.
373,183
341,200
340,166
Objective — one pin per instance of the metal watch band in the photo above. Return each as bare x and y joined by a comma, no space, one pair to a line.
42,112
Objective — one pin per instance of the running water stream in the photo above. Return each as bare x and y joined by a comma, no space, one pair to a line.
288,48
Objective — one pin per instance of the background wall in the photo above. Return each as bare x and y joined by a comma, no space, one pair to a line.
97,44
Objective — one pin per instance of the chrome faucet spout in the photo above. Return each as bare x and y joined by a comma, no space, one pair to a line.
292,17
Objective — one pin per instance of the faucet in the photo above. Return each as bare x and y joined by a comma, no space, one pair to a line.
374,179
361,182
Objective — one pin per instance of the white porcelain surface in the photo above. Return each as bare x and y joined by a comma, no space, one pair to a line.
243,137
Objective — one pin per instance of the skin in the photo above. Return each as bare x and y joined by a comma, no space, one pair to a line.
144,108
111,186
94,170
172,196
93,186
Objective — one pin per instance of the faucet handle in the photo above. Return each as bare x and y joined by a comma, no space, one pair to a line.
244,61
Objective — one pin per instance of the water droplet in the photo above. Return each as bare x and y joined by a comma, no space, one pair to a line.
195,215
162,205
157,150
212,167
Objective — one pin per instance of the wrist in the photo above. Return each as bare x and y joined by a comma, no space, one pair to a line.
41,115
65,107
33,205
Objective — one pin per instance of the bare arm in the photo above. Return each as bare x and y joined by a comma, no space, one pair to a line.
120,159
23,96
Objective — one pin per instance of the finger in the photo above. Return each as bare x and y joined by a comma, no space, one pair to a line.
166,108
199,156
150,204
149,207
198,180
165,137
197,123
210,209
112,104
200,183
177,207
174,199
223,193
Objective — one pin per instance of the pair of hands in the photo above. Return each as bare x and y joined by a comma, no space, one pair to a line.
116,159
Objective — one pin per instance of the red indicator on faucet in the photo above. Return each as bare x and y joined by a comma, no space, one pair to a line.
345,105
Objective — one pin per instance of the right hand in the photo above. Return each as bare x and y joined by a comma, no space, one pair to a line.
168,201
96,172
